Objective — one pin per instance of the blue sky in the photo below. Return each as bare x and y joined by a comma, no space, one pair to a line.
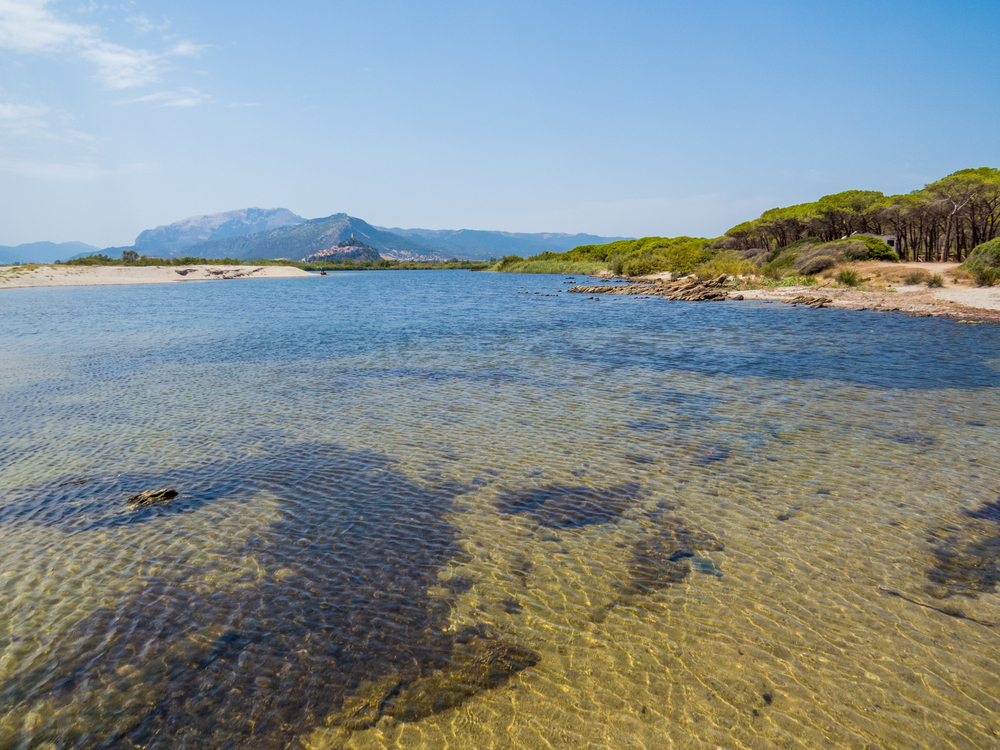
614,118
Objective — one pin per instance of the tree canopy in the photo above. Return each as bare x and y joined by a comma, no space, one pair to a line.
943,220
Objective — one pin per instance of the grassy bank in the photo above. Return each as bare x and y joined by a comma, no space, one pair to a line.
570,267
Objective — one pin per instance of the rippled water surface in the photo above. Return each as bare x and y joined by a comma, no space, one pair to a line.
425,509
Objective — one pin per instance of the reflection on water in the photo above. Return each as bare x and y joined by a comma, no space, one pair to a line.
417,510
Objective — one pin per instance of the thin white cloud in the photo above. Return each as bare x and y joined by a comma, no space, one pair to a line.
38,121
185,49
22,119
28,26
143,25
178,98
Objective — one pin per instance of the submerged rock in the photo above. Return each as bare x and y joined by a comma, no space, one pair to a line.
663,557
152,496
657,563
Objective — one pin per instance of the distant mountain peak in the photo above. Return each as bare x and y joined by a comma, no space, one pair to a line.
197,229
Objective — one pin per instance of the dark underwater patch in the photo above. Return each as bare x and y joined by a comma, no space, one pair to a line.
718,347
690,404
986,512
663,557
343,604
649,425
966,567
563,506
966,557
710,454
915,439
637,458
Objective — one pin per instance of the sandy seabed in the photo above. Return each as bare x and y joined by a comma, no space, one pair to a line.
13,277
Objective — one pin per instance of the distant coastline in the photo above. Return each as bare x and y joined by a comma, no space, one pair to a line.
19,277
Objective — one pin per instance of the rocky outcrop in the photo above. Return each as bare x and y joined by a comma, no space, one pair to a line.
687,289
807,301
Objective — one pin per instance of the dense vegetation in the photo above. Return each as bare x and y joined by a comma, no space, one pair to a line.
811,255
943,221
946,220
983,263
679,255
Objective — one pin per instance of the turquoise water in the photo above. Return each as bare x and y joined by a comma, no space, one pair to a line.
426,509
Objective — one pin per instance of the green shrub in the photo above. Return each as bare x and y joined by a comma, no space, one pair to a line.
756,255
986,254
507,261
852,249
875,248
617,264
916,277
729,262
849,278
983,263
935,281
530,265
814,259
772,271
983,275
641,266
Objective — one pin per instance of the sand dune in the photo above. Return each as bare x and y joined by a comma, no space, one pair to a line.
12,277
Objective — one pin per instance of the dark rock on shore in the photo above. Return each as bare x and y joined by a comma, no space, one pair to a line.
813,302
688,289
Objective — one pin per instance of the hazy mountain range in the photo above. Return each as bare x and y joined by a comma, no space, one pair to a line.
44,252
200,229
258,233
476,244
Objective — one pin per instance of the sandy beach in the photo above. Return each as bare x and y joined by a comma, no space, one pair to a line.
14,277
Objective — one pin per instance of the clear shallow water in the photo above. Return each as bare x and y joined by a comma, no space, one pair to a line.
423,510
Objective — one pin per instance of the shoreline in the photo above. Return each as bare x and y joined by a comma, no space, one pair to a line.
964,304
958,301
22,277
887,292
